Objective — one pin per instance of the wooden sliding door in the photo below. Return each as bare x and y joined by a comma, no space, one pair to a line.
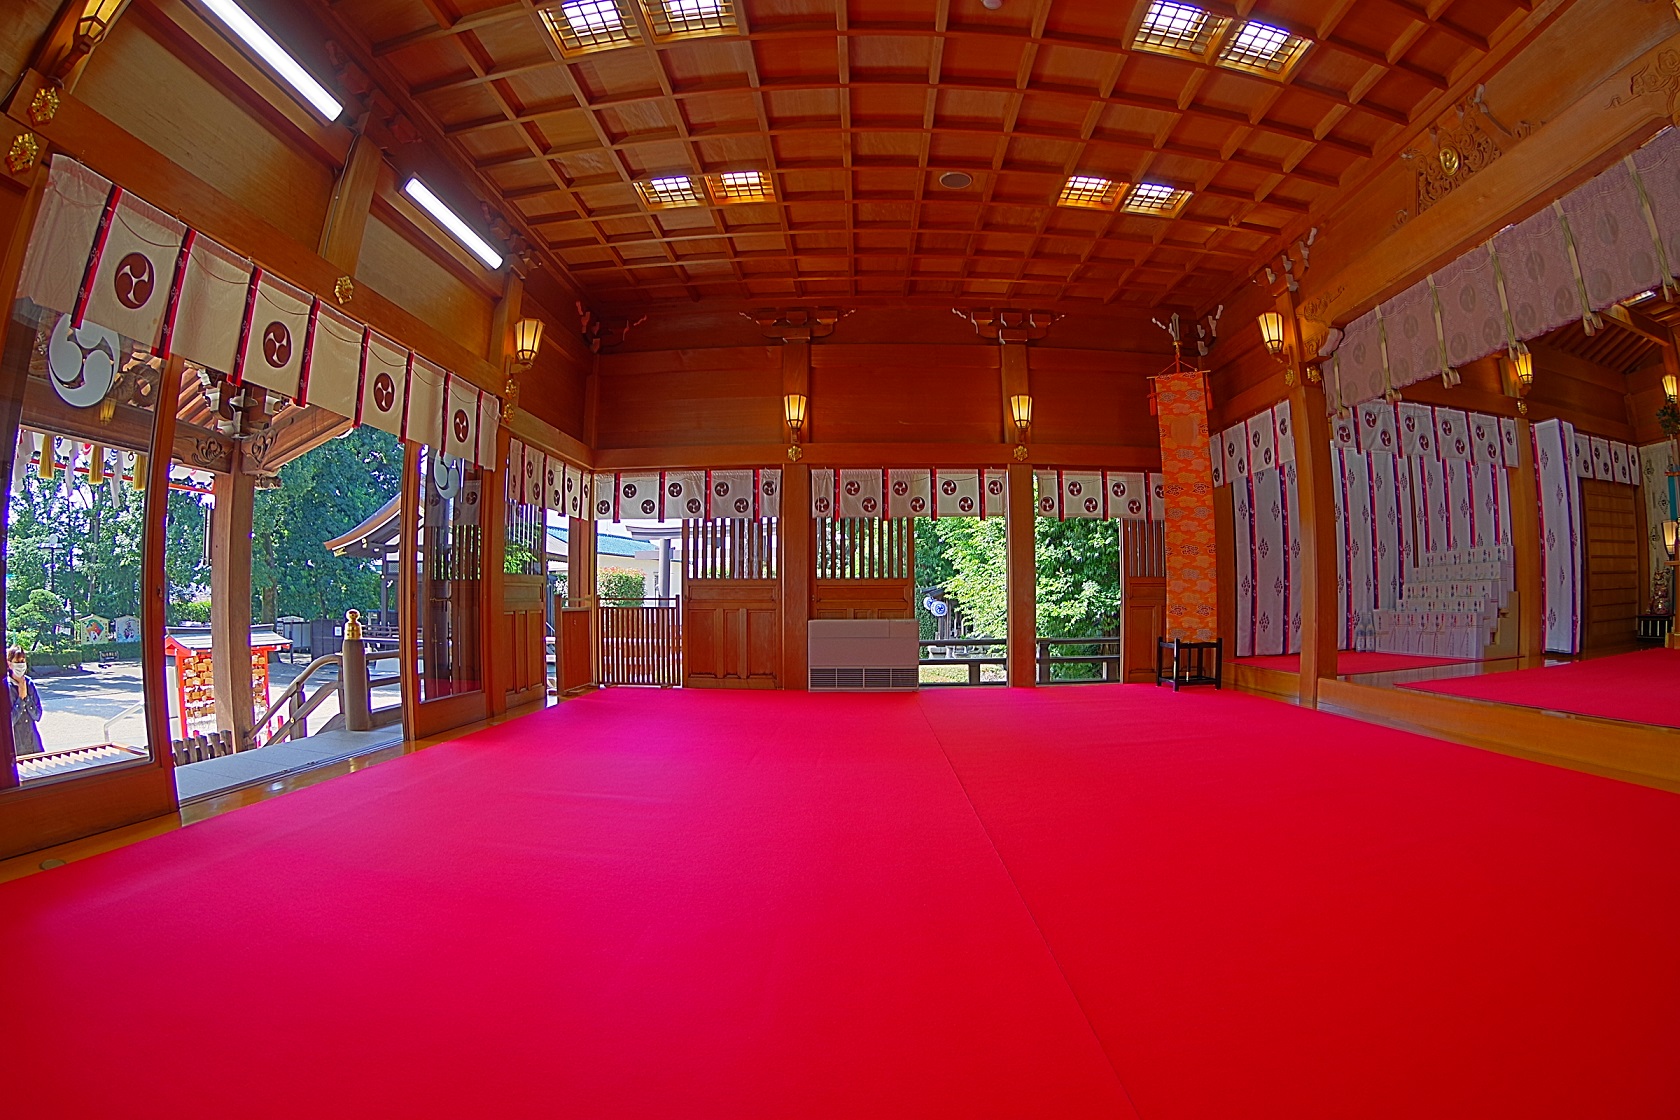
732,616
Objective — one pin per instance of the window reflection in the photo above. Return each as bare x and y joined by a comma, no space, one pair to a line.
450,566
73,541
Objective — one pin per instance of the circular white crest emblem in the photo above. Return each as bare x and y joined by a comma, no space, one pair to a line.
82,364
445,477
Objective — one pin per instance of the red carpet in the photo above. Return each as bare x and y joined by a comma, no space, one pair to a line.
1351,661
1061,903
1643,687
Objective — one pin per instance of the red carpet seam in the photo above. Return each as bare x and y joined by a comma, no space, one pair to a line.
1048,948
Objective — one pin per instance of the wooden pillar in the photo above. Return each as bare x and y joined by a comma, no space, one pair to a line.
798,530
797,571
409,559
1525,539
154,587
230,596
347,214
1021,652
1022,649
17,341
1320,625
498,633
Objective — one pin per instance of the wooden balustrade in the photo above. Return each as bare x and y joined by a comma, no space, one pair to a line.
641,642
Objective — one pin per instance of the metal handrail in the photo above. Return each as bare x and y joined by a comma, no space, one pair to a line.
294,689
105,732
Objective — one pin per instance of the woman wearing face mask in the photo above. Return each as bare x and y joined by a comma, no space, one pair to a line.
26,704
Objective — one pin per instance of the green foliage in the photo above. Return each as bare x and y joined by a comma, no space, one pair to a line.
95,563
617,585
34,619
197,611
322,494
519,559
185,568
1078,574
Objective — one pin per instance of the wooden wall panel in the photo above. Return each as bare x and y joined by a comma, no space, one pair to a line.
1575,86
1611,595
905,394
863,598
732,633
1091,397
687,398
406,274
26,21
141,85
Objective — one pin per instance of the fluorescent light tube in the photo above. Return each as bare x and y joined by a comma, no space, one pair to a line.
452,222
276,56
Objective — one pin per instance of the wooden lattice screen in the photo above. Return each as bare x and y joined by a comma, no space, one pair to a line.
730,548
1143,549
864,548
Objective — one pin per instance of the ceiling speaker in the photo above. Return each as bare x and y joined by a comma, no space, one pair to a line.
956,180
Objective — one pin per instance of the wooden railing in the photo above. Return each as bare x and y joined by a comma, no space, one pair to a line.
641,642
974,654
297,706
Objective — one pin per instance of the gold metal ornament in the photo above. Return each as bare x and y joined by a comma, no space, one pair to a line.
795,453
1020,452
43,107
1450,160
344,290
25,150
510,397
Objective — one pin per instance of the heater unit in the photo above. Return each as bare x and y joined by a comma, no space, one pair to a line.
863,654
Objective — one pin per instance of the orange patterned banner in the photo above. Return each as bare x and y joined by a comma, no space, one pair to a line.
1192,560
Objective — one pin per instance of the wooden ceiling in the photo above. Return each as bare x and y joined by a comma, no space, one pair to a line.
855,108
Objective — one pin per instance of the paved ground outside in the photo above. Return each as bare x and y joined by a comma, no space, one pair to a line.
101,704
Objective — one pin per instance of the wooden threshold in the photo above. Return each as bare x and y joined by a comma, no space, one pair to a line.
203,809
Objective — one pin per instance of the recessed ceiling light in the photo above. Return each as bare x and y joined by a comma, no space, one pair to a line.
251,32
741,186
1177,29
452,222
1261,47
593,17
1090,192
956,180
666,191
589,25
1155,199
681,18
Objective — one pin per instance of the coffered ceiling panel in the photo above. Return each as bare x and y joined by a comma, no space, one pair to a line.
680,150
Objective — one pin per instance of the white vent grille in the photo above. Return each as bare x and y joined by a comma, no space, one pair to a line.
864,680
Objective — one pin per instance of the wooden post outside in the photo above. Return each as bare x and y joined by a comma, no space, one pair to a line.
154,597
1527,560
1022,646
354,696
1320,626
230,592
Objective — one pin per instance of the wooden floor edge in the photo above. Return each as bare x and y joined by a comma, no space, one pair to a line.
1629,752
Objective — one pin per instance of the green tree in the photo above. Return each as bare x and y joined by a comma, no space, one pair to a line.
1078,574
621,585
322,494
77,542
186,571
